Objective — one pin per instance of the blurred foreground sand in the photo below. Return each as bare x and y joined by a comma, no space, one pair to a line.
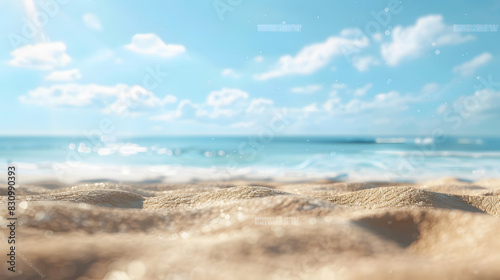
443,229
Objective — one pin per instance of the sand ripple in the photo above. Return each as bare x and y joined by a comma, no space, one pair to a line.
444,229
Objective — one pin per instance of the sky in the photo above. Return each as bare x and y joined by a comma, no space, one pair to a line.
231,67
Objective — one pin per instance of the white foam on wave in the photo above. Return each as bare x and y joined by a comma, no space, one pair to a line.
73,172
443,154
424,141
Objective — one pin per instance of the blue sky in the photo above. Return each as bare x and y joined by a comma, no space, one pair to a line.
186,67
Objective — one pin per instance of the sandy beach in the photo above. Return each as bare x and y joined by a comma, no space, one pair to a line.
238,140
440,229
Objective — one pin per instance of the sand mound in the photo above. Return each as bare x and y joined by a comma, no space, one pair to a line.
326,189
489,204
455,189
197,200
386,197
71,217
106,198
489,183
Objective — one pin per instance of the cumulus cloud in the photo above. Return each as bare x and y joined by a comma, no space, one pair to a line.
42,56
430,88
64,76
70,94
362,64
470,67
306,89
259,105
381,101
339,86
151,44
186,109
311,108
362,90
119,99
412,41
258,58
314,57
234,108
225,97
169,99
92,21
224,103
230,73
480,103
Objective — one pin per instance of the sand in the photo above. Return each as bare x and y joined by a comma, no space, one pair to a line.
441,229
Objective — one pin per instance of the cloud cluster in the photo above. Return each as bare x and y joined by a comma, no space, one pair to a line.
363,63
306,89
228,72
41,56
410,42
314,57
119,99
64,76
151,44
470,67
219,104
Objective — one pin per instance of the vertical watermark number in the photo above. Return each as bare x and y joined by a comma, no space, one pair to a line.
11,219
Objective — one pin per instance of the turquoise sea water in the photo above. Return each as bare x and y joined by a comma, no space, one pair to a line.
251,157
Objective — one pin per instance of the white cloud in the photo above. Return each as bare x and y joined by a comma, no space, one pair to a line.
377,37
307,89
412,41
225,97
228,105
259,105
225,103
92,22
430,88
311,108
42,56
442,108
332,103
363,63
483,101
69,94
469,67
258,58
132,98
64,76
185,109
151,44
230,73
169,99
362,91
234,108
119,99
314,57
339,86
391,100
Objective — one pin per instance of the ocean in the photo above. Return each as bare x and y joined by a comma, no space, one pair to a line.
221,158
